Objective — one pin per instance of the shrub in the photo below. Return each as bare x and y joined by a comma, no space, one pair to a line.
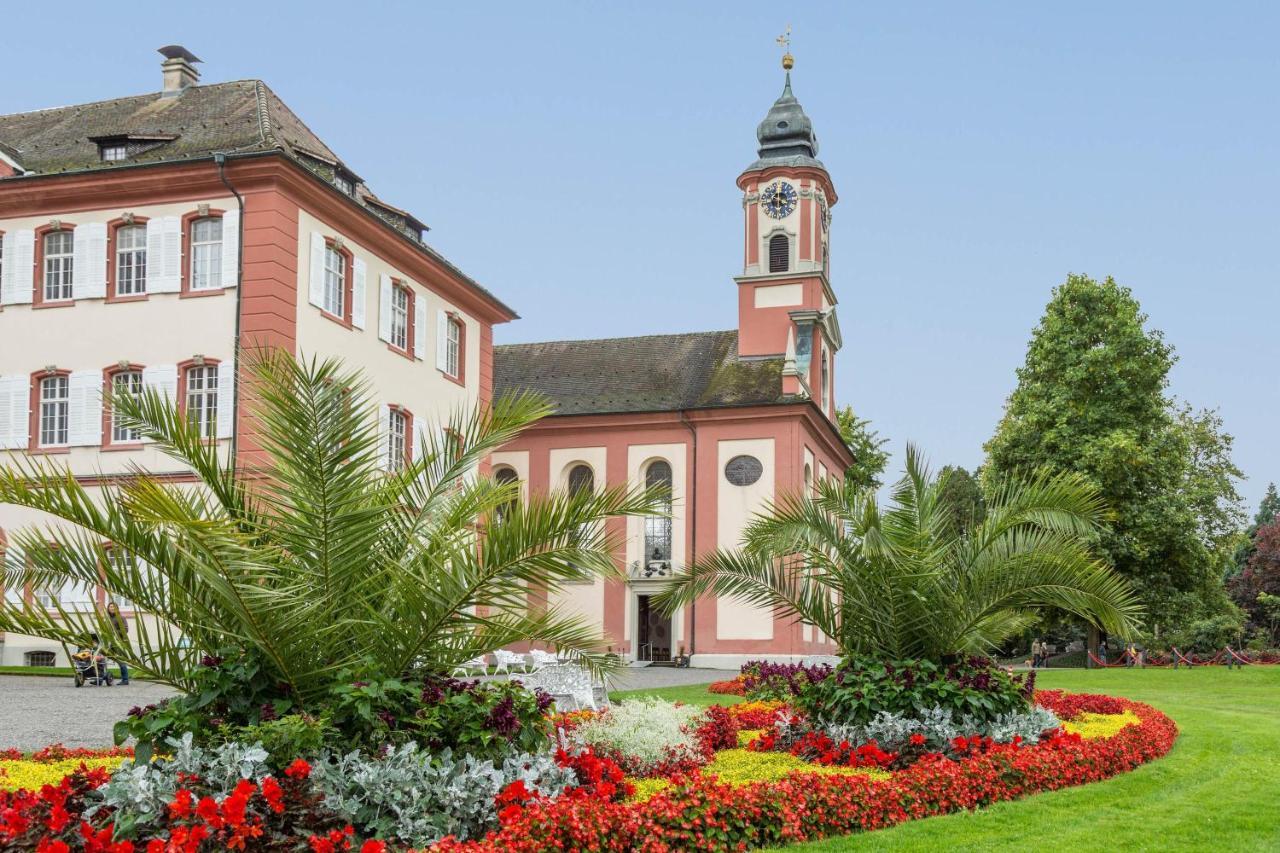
939,729
646,737
419,798
766,680
861,688
284,739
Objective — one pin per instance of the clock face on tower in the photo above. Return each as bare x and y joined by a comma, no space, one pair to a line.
778,199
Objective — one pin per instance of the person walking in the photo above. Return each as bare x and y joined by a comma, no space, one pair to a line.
1035,653
1130,655
1102,652
120,627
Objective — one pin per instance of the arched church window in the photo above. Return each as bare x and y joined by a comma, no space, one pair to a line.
779,253
582,480
657,528
826,381
504,477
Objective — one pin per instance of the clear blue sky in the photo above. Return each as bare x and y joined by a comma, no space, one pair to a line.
981,152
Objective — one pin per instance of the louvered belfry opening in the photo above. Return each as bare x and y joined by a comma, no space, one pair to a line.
779,253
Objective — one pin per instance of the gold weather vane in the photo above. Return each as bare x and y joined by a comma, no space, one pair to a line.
784,42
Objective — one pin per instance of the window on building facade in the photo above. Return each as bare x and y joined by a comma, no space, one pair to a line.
453,347
202,399
344,183
826,381
131,260
582,480
206,253
335,280
779,253
505,477
657,528
40,657
59,249
114,152
125,382
397,443
55,404
400,317
46,598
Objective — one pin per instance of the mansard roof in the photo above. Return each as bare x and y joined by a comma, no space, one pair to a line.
694,370
236,118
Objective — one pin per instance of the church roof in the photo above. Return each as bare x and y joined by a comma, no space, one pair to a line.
694,370
786,135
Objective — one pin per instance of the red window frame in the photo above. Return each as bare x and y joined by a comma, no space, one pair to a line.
112,228
461,377
184,367
108,432
408,430
402,285
37,282
188,222
348,282
33,425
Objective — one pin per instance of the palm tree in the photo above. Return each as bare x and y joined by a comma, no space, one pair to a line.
902,582
315,559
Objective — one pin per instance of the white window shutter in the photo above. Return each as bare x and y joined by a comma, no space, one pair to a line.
19,260
84,408
164,254
226,398
442,341
316,279
419,326
384,307
15,399
89,267
384,435
230,248
163,379
359,286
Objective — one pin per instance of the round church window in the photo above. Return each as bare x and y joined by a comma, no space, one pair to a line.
743,470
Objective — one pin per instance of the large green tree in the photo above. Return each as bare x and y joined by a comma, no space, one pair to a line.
960,495
1092,399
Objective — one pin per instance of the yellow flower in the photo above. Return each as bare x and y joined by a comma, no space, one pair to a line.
18,774
738,767
1098,726
745,736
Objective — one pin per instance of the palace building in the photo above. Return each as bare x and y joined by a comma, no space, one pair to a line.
727,420
146,240
143,239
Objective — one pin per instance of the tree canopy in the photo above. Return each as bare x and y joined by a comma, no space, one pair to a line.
869,455
1092,399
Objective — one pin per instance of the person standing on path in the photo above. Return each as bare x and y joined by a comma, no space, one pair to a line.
119,627
1035,653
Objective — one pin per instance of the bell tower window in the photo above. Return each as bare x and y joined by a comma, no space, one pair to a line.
779,253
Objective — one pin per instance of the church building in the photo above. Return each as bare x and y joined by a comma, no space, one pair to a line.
727,420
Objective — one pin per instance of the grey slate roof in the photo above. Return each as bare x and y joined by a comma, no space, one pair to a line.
645,374
237,117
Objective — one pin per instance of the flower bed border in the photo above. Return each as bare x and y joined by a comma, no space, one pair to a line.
704,814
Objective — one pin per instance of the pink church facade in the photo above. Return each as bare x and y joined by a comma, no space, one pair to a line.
729,420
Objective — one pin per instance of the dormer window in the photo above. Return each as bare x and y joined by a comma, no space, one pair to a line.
113,152
344,183
121,146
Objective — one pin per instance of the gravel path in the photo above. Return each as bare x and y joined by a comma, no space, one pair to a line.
38,711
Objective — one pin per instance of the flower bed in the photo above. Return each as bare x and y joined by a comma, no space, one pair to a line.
703,812
577,799
51,765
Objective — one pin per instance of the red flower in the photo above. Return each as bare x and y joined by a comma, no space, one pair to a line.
299,769
182,806
373,846
273,794
917,739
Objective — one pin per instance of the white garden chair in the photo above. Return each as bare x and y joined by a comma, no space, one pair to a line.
505,661
540,658
478,666
570,685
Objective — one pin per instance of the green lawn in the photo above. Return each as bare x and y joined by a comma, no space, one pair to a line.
1216,790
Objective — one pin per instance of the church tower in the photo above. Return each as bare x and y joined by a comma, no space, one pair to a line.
785,302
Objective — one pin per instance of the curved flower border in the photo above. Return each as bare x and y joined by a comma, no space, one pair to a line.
701,813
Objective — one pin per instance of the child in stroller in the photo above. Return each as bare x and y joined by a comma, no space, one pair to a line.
90,662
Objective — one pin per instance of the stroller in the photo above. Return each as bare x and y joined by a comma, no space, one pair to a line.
90,662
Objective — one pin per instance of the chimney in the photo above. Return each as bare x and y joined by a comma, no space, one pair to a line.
179,68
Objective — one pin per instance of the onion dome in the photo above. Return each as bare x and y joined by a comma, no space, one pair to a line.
786,135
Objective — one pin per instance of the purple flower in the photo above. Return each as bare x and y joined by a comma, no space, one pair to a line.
211,661
503,719
267,712
545,700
